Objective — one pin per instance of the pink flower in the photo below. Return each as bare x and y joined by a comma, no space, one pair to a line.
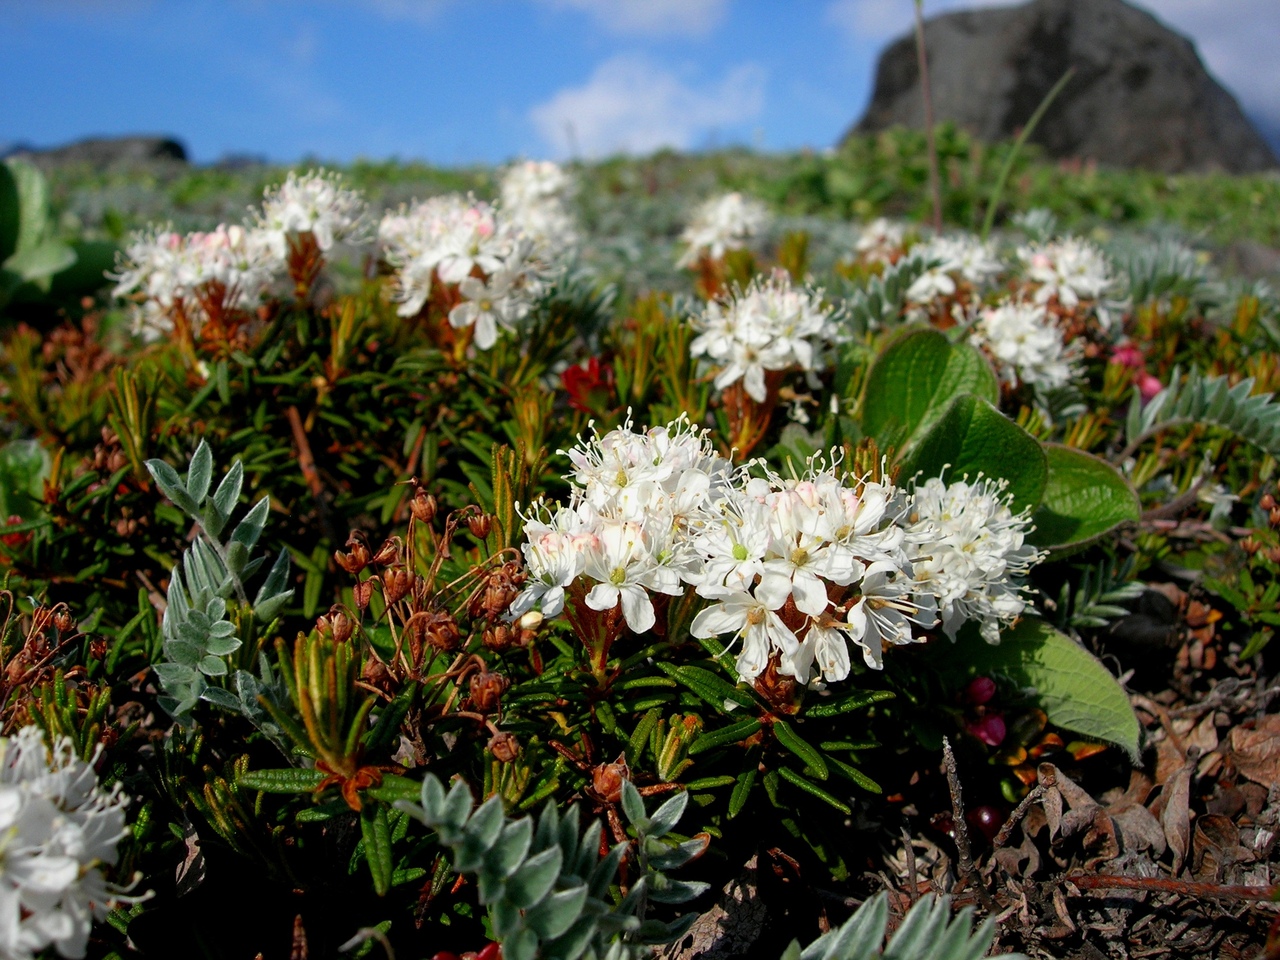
980,690
990,729
1148,385
1128,354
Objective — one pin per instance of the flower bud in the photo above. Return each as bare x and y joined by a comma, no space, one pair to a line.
480,524
423,506
356,558
531,620
487,690
504,747
363,593
1268,502
395,584
990,729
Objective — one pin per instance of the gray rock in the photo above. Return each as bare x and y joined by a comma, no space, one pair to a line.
111,153
1140,96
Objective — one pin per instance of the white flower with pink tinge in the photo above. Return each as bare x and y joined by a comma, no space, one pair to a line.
1027,345
1069,270
316,203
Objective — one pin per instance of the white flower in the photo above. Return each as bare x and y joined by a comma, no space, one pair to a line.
58,827
880,241
772,325
1069,270
721,224
1027,345
957,258
487,306
533,197
316,203
623,560
968,549
760,629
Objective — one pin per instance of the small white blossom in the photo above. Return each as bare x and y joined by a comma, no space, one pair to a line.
772,325
960,258
533,195
58,828
968,549
1027,345
880,241
721,224
1069,270
316,203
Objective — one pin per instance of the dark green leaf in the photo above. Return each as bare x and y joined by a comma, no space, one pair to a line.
1085,497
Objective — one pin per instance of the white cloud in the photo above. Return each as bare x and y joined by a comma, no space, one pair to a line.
650,16
631,105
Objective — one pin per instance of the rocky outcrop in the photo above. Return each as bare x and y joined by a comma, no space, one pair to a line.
1140,96
111,153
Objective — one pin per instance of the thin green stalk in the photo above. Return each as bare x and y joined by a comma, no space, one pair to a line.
935,178
990,219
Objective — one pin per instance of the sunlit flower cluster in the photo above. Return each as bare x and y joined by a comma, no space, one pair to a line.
228,268
968,549
795,571
196,276
958,259
771,325
533,196
315,203
721,224
1027,345
460,240
1069,270
58,827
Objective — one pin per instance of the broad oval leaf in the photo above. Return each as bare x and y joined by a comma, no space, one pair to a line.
1072,686
913,380
972,437
1084,498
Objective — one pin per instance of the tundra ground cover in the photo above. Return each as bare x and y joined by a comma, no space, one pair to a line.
705,550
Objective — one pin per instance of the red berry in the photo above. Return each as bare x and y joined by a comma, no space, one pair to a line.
492,952
980,690
986,820
990,729
445,955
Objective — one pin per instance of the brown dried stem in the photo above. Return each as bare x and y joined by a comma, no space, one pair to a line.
965,866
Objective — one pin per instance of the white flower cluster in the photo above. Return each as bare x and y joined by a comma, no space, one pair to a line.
771,325
1027,345
229,268
57,828
880,241
451,238
232,267
316,203
794,569
721,224
959,258
969,550
533,195
1073,272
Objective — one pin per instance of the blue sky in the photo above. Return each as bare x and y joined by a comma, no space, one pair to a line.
456,81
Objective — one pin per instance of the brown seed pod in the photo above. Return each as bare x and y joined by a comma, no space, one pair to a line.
487,690
363,592
498,637
480,524
504,747
423,506
388,553
357,556
64,621
336,625
607,780
395,584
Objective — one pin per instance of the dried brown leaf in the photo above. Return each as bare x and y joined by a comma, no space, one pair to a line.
1256,751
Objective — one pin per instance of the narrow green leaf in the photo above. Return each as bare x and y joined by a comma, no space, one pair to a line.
813,789
800,747
376,833
281,781
734,733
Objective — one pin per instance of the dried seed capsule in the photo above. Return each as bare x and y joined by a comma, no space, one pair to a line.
423,506
480,524
487,690
504,747
498,637
363,593
356,558
64,621
607,780
388,553
336,624
395,584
